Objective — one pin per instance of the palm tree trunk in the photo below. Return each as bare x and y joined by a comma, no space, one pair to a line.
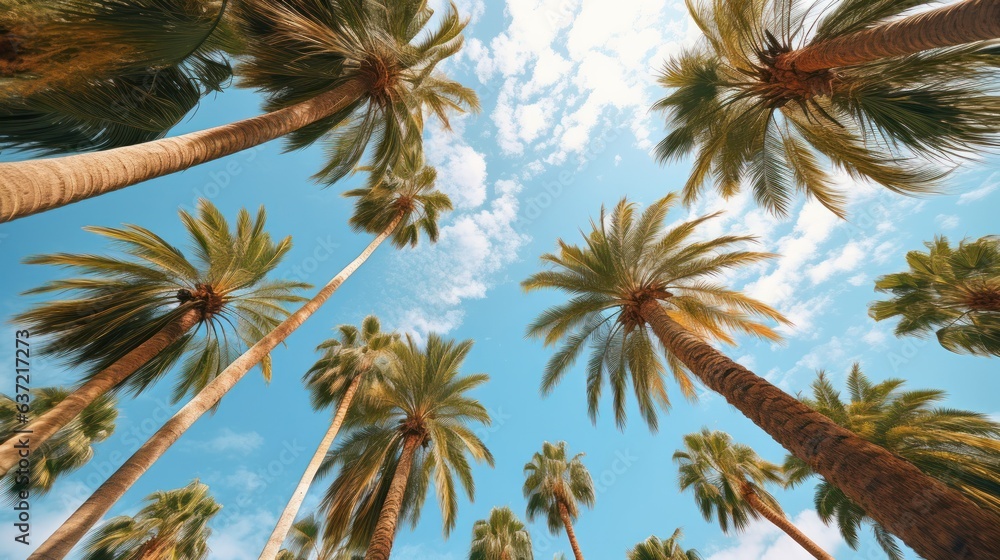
65,538
956,24
292,509
937,522
564,514
385,530
781,522
46,425
29,187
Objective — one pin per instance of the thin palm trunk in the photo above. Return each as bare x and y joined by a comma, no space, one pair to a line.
287,518
46,425
564,514
956,24
781,522
937,522
65,538
29,187
385,530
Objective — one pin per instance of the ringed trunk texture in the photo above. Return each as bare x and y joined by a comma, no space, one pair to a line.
46,425
956,24
782,522
83,519
564,514
932,519
34,186
385,530
287,518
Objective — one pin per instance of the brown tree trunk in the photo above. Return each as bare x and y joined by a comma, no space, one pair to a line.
781,522
65,538
937,522
955,24
287,518
29,187
46,425
564,514
385,530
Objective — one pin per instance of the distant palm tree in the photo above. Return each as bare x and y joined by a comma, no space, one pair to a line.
402,206
500,537
307,543
728,482
349,364
640,291
655,549
556,485
358,74
957,447
128,319
69,449
771,95
412,431
953,292
174,524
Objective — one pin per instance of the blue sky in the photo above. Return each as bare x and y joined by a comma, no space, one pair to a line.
566,86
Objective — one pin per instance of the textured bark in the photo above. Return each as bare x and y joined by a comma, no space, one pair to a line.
781,522
385,530
937,522
57,417
956,24
29,187
65,538
564,514
287,518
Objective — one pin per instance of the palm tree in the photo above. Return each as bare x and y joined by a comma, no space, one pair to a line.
307,543
173,524
953,292
728,482
402,206
70,448
413,430
770,95
348,72
500,537
655,549
555,486
639,289
348,362
132,317
957,447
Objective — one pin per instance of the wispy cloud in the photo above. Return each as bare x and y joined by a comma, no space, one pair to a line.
764,541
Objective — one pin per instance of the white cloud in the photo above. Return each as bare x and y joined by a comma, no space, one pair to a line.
244,480
229,441
989,185
947,221
764,541
242,534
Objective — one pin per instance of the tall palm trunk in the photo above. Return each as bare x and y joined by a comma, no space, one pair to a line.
65,538
46,425
385,529
287,518
564,514
34,186
956,24
937,522
781,522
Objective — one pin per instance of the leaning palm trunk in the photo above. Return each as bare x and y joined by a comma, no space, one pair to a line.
957,24
30,187
65,538
287,518
781,522
564,514
937,522
385,529
46,425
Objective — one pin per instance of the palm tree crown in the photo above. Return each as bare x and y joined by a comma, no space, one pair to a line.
553,480
500,537
951,291
354,353
654,548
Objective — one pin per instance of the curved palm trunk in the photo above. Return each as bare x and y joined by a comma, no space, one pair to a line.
29,187
956,24
65,538
46,425
937,522
385,530
564,514
781,522
287,518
